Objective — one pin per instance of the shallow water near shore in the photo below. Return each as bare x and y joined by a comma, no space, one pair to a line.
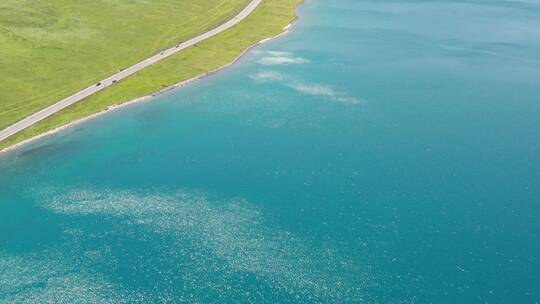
381,152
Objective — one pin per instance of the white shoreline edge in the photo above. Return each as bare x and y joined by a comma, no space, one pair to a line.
114,107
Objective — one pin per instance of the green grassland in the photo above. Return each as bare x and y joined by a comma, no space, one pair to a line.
50,49
266,21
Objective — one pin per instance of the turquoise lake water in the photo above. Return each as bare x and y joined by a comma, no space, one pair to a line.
382,152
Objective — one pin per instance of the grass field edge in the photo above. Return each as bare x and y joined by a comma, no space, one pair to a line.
31,134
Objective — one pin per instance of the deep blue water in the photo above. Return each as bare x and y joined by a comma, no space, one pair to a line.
382,152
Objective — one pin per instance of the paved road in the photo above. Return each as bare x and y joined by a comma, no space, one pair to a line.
36,117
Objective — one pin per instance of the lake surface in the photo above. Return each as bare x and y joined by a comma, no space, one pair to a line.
382,152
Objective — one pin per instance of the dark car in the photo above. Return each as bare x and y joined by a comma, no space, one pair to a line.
98,84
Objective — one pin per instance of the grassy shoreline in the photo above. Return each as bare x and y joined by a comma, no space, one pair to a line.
53,48
268,20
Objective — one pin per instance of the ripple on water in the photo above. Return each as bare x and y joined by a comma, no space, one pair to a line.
202,248
47,278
